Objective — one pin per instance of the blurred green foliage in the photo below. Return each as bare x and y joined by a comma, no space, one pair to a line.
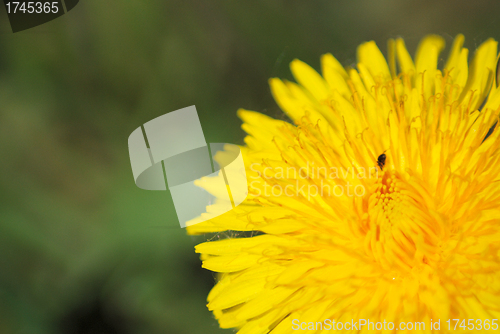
82,249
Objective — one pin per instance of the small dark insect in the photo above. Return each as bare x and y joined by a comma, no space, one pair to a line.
381,161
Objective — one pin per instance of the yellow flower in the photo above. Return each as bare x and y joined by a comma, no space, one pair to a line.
418,236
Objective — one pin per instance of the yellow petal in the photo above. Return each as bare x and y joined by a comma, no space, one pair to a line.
404,58
481,76
426,63
335,77
371,57
309,79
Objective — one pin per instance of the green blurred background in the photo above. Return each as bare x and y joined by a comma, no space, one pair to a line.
82,249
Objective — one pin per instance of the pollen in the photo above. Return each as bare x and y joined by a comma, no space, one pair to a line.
387,214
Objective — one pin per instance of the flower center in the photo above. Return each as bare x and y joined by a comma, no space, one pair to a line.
391,238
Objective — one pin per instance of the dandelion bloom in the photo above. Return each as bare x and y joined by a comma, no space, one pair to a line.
418,236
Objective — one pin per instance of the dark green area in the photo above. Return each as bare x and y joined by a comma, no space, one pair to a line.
82,249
